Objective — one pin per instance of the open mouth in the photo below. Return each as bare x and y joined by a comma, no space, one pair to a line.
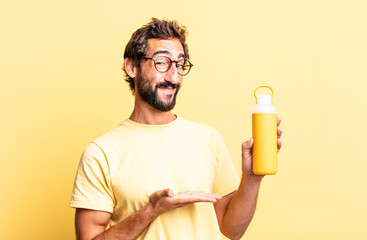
167,87
167,90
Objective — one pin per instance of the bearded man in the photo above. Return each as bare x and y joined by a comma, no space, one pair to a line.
157,175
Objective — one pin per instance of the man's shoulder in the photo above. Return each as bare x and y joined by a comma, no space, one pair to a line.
113,135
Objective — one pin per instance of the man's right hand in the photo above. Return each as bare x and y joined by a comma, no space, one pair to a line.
164,200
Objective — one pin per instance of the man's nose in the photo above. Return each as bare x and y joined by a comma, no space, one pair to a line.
172,74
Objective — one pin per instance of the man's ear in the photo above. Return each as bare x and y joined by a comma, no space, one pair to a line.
130,67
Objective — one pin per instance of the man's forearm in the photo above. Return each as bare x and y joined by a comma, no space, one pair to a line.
131,227
241,209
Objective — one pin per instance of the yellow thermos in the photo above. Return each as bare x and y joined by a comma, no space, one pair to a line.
264,133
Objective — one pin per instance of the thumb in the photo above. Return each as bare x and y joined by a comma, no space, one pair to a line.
168,192
154,197
165,193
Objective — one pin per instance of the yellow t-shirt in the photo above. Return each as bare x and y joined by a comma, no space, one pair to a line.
119,170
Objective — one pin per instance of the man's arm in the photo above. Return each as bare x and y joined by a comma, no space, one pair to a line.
236,210
91,224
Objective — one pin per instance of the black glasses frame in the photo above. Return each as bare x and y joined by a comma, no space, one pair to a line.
171,61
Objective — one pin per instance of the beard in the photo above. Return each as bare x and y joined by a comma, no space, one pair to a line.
149,93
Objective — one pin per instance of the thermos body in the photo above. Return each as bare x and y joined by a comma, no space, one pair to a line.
264,133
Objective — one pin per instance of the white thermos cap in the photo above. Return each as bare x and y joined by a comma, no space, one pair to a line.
264,105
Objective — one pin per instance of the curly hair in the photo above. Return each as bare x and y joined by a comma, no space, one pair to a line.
137,47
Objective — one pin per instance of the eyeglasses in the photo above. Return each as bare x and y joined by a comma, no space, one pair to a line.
163,64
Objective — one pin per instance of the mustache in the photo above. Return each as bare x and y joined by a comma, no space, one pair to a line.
167,84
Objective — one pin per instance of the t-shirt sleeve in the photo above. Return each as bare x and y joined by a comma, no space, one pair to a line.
227,179
92,186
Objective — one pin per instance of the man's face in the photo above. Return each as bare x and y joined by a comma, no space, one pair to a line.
158,89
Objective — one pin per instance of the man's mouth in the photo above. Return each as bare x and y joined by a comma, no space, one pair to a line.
167,87
168,90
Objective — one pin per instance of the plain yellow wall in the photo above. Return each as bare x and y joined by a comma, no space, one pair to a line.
62,86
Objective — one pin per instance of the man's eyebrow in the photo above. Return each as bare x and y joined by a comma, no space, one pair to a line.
181,55
161,51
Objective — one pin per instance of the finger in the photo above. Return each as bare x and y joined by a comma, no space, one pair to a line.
195,199
247,146
204,194
169,192
279,132
279,142
197,196
279,120
165,193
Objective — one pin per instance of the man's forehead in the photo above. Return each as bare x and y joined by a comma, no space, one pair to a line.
171,47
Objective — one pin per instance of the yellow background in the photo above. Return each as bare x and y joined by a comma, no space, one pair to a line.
62,86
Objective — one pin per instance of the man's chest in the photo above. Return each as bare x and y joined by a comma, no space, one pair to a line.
155,165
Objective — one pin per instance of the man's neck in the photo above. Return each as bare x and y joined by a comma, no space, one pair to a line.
145,114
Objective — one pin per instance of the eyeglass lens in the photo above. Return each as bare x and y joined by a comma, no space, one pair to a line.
163,64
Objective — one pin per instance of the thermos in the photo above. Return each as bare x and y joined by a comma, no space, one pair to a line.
264,133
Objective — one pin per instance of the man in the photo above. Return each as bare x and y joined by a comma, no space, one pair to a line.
157,175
